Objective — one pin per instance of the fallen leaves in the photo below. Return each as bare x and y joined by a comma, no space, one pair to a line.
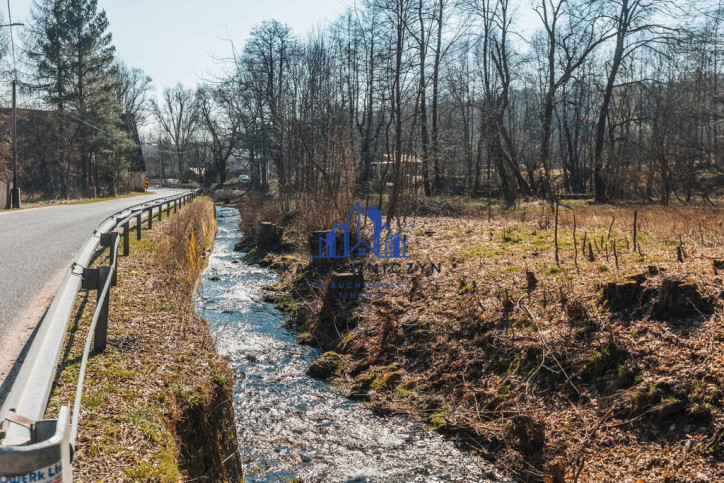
614,391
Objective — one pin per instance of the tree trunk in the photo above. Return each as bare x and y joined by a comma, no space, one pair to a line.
425,138
599,185
435,81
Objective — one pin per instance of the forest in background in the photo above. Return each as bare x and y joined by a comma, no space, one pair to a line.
413,98
398,100
78,122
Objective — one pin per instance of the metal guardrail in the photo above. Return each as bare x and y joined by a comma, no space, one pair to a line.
35,448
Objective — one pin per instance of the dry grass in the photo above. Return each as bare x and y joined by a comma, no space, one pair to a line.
182,247
255,209
305,215
159,366
475,351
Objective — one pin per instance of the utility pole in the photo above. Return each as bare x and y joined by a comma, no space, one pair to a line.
160,161
15,194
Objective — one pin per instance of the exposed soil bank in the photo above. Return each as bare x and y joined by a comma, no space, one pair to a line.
605,366
157,402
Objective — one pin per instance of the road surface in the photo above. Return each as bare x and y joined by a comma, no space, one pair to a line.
37,245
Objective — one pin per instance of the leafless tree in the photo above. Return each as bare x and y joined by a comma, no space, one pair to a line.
178,116
220,123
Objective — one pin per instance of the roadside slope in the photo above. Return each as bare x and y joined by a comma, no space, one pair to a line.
157,402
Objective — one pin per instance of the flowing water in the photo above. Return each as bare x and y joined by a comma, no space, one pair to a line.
291,425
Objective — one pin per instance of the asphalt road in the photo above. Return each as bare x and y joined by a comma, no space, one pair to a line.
37,246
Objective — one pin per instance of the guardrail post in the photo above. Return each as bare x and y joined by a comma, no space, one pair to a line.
160,212
168,209
109,240
175,206
114,248
150,218
126,238
138,225
101,334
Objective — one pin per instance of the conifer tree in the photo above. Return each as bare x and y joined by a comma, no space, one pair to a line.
75,70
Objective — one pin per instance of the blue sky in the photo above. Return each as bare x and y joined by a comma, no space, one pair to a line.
176,40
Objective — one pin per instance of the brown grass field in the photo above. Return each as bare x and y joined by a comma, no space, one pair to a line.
605,366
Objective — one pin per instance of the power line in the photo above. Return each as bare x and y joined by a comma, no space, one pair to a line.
86,123
173,152
159,150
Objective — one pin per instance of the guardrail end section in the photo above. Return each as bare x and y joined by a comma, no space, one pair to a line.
46,459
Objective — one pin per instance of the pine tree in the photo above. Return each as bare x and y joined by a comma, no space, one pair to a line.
75,70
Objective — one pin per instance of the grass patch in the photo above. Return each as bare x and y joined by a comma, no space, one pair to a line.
552,270
286,303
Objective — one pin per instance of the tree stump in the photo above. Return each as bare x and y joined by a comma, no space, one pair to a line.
270,235
336,316
677,299
338,241
314,238
348,283
620,296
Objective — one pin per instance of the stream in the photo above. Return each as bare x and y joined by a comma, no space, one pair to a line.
293,426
